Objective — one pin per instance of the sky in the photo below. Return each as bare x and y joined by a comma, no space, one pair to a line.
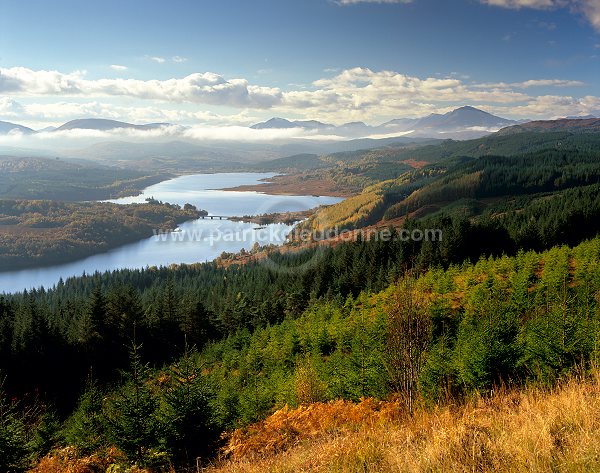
230,62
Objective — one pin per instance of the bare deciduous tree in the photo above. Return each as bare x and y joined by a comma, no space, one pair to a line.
408,338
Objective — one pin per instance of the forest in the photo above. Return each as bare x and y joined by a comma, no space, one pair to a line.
69,180
484,180
43,232
169,368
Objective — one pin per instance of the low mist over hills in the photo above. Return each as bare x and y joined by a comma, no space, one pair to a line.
462,123
112,141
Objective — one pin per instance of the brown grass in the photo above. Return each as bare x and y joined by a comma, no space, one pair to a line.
535,430
67,460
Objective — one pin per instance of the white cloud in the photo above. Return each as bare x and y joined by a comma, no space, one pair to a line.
39,115
239,133
553,106
363,94
179,59
532,83
118,67
10,108
538,4
207,88
589,8
81,137
546,25
30,82
353,94
549,83
157,59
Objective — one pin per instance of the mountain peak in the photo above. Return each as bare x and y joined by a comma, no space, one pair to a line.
464,117
275,122
279,123
468,107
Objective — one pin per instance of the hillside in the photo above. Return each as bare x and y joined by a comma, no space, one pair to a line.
496,167
36,233
462,118
484,352
43,178
576,125
356,170
533,430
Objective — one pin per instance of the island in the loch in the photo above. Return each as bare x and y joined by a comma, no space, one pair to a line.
287,218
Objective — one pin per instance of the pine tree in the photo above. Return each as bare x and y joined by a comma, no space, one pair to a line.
86,428
187,412
132,415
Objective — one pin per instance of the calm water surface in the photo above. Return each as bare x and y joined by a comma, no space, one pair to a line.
195,241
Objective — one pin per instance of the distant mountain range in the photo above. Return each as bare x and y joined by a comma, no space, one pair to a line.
157,154
99,124
282,123
464,122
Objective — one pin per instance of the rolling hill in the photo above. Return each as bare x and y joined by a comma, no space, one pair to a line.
570,125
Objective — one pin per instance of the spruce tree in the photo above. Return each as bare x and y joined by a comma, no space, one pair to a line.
86,428
187,412
132,414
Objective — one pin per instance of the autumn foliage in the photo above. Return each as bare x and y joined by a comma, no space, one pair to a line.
533,430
